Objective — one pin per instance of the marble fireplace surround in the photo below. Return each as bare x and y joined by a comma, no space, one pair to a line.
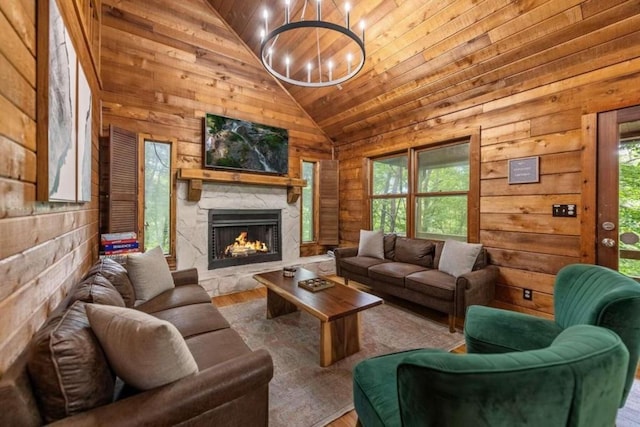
192,238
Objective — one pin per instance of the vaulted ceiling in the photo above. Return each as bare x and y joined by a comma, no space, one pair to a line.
426,55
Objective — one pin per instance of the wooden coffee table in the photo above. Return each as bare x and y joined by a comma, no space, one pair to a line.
338,309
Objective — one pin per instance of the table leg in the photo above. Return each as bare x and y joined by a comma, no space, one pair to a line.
278,306
339,338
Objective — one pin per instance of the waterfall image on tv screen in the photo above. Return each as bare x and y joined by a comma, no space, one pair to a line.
242,145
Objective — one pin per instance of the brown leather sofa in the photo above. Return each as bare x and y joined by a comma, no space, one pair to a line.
409,271
230,389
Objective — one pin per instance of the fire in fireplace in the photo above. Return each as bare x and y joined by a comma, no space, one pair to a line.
243,236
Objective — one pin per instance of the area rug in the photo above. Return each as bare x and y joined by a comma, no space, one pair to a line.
303,394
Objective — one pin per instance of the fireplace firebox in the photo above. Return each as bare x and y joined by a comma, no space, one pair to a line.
244,236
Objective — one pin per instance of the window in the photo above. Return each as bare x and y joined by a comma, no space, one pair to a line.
390,185
434,180
308,209
441,193
158,205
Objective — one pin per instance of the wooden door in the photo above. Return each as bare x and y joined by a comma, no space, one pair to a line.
618,188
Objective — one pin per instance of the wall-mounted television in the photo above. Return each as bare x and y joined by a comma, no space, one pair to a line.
244,146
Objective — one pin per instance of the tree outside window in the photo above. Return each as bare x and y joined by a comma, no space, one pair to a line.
308,173
390,187
629,211
157,193
435,179
441,196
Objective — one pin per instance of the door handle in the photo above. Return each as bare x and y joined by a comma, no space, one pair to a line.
609,243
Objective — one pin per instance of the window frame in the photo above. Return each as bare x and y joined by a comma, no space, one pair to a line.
473,193
173,143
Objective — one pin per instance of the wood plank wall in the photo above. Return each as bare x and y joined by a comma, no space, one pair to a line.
44,247
165,64
540,116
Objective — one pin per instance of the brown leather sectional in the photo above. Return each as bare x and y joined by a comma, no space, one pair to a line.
230,389
409,271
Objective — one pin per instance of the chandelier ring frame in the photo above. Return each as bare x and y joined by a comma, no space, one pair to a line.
311,24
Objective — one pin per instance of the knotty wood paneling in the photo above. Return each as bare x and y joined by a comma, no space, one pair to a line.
528,87
44,247
165,64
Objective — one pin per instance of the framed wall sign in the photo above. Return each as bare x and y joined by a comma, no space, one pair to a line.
524,170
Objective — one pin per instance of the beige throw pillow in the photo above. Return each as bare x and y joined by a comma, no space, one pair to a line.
149,273
144,351
371,244
458,257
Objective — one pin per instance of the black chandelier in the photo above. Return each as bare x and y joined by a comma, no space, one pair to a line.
279,56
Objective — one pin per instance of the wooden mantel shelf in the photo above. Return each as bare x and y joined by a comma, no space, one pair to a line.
197,176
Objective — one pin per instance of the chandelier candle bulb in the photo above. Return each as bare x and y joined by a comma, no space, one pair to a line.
330,70
287,61
286,12
309,72
265,13
347,9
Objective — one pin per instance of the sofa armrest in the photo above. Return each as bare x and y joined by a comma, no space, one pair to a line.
341,253
186,399
475,288
185,277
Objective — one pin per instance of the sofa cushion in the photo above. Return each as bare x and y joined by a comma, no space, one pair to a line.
393,272
433,283
371,244
176,297
216,347
389,243
414,251
144,351
67,367
149,274
360,264
117,274
458,258
96,289
194,319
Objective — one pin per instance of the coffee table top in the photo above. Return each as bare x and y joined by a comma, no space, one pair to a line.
327,305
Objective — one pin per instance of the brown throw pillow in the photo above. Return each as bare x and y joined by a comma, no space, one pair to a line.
144,351
68,369
389,246
96,289
414,251
115,273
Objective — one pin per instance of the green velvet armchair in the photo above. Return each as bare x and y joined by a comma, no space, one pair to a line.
583,294
576,381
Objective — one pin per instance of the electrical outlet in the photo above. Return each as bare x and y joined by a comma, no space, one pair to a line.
527,294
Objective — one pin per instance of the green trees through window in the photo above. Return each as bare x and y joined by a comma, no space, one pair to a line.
629,215
308,173
435,179
157,193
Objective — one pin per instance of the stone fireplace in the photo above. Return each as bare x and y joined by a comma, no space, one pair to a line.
244,236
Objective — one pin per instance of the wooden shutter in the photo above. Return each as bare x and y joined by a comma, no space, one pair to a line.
328,208
119,179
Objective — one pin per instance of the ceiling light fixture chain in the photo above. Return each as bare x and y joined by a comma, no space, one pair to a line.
280,60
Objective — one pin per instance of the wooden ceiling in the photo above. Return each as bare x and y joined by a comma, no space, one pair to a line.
425,56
